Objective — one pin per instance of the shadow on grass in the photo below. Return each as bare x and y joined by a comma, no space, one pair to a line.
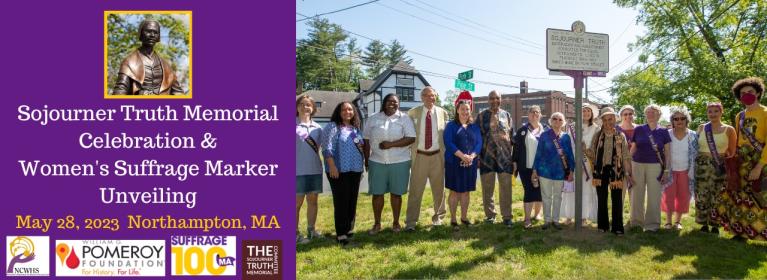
710,259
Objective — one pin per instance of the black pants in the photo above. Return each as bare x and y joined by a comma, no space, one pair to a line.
616,196
345,190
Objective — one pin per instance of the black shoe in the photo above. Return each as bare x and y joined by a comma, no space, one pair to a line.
556,226
602,230
715,230
507,223
738,238
545,226
704,228
455,226
466,222
343,240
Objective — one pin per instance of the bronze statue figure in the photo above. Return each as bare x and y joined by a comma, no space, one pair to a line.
144,72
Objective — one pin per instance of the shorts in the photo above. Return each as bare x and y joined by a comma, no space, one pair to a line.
388,178
306,184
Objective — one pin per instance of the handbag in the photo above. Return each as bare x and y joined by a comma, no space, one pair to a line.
569,186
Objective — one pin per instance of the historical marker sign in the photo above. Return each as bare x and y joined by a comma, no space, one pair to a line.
581,51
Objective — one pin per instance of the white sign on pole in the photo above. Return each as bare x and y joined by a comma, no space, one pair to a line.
581,51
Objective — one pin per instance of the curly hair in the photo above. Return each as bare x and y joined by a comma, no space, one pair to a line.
679,110
336,117
755,82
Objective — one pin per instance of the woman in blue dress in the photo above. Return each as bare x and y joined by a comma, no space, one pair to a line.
463,142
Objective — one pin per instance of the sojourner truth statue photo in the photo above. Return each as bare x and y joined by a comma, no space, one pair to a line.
144,71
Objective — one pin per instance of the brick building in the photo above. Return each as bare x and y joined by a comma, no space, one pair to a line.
517,103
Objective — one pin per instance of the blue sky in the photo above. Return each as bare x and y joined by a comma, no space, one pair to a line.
500,36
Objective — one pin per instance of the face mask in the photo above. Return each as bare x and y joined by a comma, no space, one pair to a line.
748,99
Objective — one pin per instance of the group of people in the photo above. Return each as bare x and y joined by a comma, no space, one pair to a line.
660,169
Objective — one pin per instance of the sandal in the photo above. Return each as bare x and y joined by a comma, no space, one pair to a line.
466,222
375,230
396,228
667,226
528,225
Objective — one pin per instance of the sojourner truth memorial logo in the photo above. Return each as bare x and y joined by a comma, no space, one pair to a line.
27,256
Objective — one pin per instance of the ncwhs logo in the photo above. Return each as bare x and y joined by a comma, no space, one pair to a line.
203,255
27,256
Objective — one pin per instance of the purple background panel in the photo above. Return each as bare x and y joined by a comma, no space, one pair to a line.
242,55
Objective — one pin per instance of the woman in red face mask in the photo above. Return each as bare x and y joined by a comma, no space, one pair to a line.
743,211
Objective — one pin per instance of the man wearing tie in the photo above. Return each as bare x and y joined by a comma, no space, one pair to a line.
427,159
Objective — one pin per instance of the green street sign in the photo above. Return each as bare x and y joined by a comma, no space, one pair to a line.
466,75
464,85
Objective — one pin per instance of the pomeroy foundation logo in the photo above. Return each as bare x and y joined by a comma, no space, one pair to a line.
27,256
110,258
262,259
203,255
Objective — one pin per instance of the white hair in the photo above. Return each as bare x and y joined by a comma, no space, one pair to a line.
562,116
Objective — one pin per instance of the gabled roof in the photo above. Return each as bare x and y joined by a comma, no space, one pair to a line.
401,67
329,99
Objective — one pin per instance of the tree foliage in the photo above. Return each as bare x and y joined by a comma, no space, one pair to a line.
397,52
692,53
174,45
328,59
376,58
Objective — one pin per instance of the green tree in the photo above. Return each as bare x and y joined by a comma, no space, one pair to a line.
698,50
320,63
397,52
375,58
447,103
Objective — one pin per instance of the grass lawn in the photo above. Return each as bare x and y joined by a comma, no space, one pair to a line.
484,251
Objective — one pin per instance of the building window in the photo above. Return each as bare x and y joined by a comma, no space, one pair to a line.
318,104
480,106
405,80
406,94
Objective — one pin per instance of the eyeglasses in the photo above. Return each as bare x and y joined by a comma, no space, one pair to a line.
628,114
556,119
680,119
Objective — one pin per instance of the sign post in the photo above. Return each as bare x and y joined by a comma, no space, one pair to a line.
578,54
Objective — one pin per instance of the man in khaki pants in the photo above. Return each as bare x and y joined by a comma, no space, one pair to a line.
497,130
428,159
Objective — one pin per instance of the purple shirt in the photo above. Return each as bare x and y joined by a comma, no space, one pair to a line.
641,138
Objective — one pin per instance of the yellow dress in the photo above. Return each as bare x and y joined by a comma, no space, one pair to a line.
738,211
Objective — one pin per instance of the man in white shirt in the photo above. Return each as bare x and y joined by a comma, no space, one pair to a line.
427,159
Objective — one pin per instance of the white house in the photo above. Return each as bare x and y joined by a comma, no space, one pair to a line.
401,79
325,103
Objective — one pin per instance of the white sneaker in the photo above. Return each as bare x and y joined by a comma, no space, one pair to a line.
315,235
301,240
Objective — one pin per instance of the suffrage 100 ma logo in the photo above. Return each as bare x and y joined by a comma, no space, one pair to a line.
203,255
